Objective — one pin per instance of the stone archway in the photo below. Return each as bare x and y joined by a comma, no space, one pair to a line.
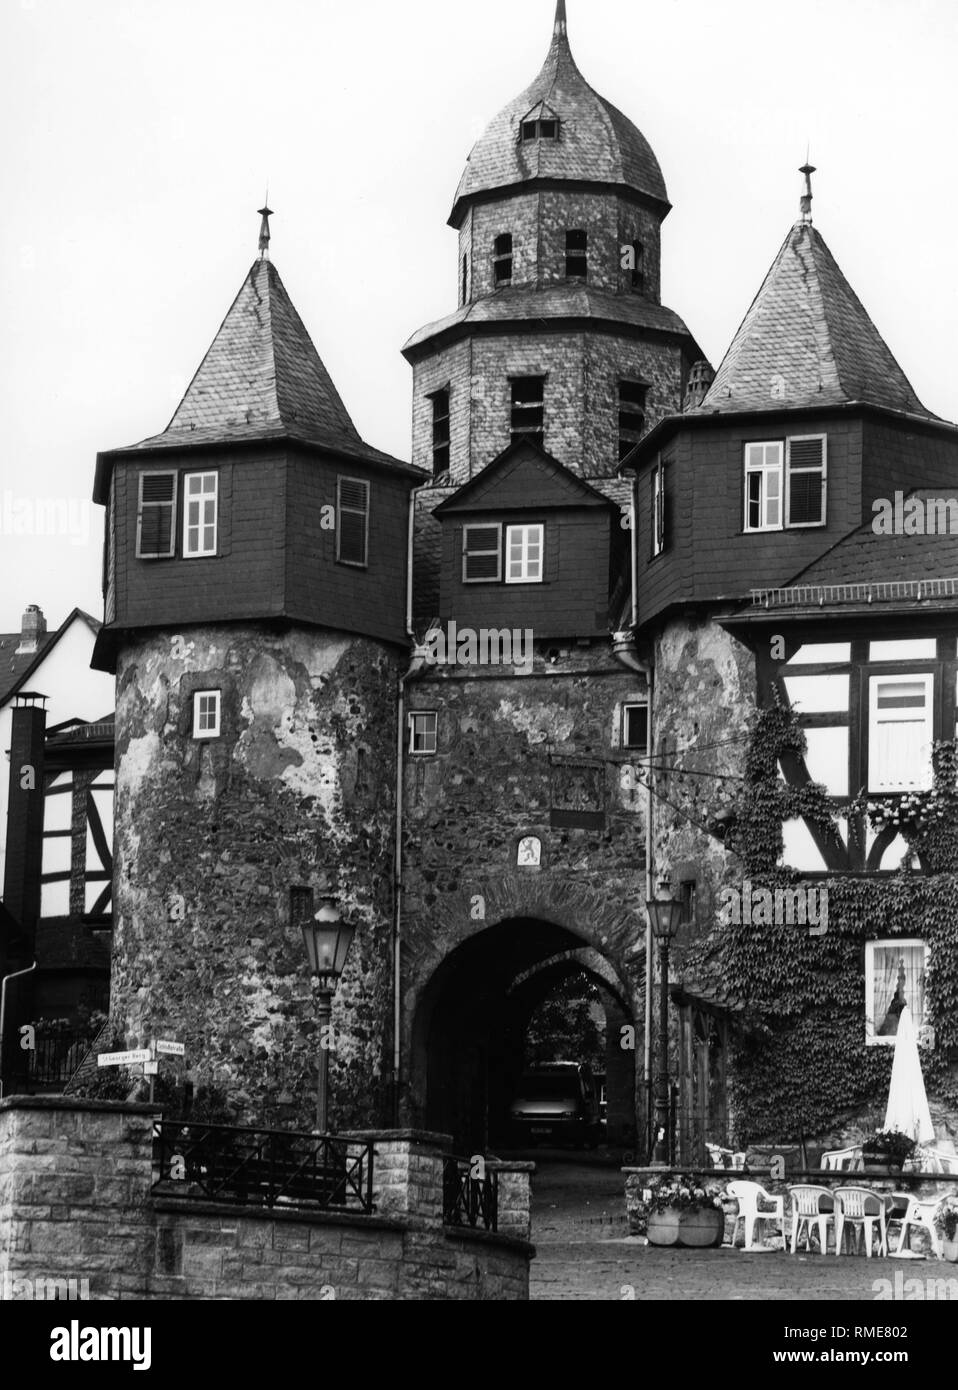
462,1038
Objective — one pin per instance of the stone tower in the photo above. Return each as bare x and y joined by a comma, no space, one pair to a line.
560,331
254,597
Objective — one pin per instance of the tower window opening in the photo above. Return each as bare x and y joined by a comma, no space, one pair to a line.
502,259
528,408
576,255
638,266
464,291
440,431
632,402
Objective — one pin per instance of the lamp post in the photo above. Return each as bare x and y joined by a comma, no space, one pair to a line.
327,939
665,914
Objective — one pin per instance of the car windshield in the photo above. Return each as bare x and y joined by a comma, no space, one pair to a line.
548,1087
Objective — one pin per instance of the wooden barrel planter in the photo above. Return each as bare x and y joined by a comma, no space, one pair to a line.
949,1248
693,1229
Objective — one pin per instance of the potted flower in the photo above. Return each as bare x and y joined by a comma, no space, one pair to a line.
886,1151
946,1224
685,1211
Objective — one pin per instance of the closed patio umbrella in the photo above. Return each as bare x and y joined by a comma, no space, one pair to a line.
907,1102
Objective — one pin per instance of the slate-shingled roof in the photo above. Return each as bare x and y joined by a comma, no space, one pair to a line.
808,336
563,301
597,143
14,669
262,378
864,557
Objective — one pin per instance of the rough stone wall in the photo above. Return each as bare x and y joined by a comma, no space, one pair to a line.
76,1204
703,696
211,836
539,222
582,373
509,749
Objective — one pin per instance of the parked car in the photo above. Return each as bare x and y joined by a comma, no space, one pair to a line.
556,1101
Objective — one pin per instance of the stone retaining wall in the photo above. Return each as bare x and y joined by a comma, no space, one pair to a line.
76,1203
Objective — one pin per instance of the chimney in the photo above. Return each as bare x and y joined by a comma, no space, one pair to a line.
21,880
700,379
32,627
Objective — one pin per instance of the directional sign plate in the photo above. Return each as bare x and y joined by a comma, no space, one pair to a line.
123,1059
173,1049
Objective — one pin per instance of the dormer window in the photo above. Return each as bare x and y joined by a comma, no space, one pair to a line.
539,124
576,255
502,259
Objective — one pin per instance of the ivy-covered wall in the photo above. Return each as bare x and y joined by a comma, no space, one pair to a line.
799,1063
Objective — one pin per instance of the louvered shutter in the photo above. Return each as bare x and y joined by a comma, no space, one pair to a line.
806,481
352,518
481,553
155,528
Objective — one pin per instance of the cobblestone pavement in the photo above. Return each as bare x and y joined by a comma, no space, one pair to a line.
585,1253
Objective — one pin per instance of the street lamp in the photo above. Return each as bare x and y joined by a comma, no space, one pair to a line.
327,939
665,914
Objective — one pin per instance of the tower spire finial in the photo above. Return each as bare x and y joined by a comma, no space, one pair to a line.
265,212
560,23
806,203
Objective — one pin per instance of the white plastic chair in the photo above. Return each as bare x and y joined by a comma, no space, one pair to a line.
861,1209
806,1210
839,1160
938,1161
920,1212
748,1195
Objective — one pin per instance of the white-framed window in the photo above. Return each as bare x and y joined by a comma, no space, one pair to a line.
206,714
352,521
895,973
763,486
658,508
482,553
785,482
422,732
524,554
805,468
635,726
900,711
155,529
200,492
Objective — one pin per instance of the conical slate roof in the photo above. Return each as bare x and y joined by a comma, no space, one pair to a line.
262,369
596,143
262,378
807,340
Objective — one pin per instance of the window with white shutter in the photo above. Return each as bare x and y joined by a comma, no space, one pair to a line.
900,733
763,486
481,554
805,460
155,528
352,521
200,498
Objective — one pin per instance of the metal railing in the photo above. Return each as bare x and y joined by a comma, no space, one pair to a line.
467,1200
880,591
255,1167
53,1059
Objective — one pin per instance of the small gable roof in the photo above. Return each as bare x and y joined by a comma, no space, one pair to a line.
521,478
15,670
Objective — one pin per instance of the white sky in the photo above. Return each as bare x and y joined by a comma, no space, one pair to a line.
137,137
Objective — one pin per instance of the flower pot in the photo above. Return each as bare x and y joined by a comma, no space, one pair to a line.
694,1229
887,1168
949,1249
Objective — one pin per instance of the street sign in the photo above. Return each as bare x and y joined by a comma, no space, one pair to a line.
124,1059
151,1068
173,1049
